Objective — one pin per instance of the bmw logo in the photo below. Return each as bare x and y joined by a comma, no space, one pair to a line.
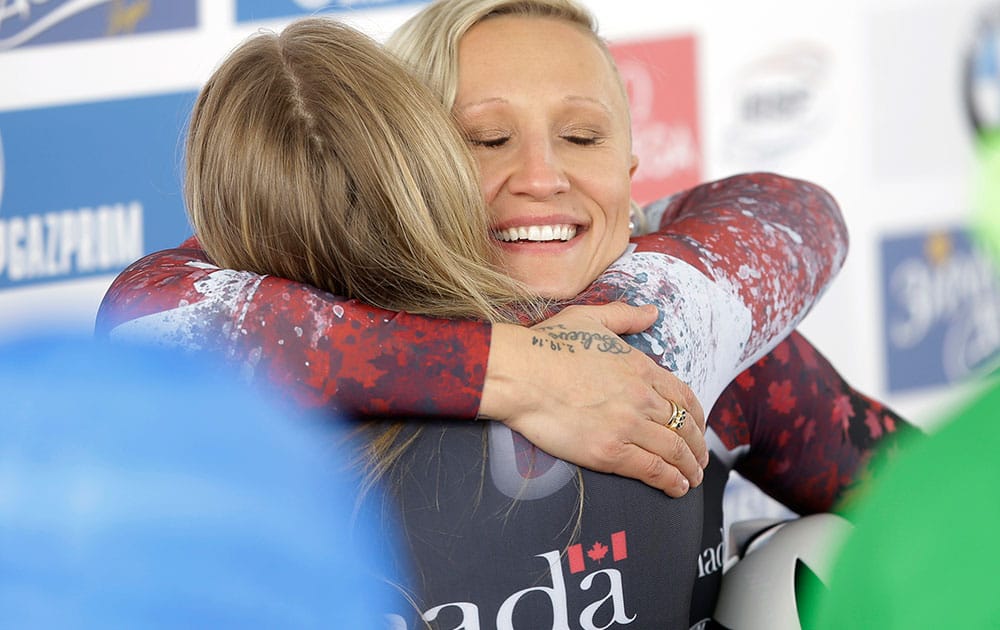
982,74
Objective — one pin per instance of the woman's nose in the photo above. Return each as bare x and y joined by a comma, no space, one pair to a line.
538,171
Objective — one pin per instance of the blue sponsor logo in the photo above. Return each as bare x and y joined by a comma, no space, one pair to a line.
942,309
982,73
36,22
248,10
87,189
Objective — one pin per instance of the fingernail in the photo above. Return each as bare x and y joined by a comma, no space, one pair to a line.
699,477
685,485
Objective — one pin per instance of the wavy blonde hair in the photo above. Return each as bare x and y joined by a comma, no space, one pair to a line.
313,155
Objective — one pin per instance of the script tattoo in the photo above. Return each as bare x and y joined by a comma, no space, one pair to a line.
560,338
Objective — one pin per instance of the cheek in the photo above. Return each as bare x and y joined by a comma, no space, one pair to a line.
617,203
609,182
490,179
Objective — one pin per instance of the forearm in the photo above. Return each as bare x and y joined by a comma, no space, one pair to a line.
814,436
364,360
736,267
318,349
777,242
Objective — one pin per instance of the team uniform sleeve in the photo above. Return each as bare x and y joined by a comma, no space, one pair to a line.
808,437
329,352
735,265
777,241
321,350
796,428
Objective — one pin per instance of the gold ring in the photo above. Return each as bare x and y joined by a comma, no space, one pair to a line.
677,418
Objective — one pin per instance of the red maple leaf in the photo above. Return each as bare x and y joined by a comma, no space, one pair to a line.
890,424
842,411
874,428
597,552
745,380
780,396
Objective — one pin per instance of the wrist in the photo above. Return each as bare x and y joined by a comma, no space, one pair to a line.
506,388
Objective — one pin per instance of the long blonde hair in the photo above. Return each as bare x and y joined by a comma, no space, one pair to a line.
313,155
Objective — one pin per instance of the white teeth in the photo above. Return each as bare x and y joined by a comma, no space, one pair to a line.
538,233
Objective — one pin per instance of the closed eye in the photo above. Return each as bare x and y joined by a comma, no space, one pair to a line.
585,141
489,143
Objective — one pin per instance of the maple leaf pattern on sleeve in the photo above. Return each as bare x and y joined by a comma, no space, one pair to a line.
315,348
811,435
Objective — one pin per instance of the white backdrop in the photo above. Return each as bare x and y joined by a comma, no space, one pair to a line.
867,99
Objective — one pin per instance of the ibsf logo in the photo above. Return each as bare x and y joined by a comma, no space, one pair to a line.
982,74
781,102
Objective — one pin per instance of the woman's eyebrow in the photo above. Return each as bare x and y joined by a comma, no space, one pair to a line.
459,108
571,98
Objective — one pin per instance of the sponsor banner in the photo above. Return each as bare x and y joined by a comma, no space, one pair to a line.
942,309
87,189
661,79
781,102
247,10
37,22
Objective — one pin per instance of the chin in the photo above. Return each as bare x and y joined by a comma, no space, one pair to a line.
557,289
547,278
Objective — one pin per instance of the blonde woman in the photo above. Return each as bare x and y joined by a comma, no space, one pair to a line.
264,199
790,423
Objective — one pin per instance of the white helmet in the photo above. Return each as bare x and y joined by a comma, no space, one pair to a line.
759,585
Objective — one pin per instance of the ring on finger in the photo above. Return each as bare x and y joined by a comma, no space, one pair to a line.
677,417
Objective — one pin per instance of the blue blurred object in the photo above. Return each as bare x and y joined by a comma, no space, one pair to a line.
143,489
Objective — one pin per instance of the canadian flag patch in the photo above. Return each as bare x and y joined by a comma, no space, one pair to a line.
597,552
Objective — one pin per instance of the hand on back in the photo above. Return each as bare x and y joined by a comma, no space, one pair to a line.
576,390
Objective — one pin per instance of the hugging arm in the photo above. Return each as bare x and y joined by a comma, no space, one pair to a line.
339,354
813,435
735,266
320,350
326,352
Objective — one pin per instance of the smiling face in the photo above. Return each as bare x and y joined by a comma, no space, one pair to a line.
548,123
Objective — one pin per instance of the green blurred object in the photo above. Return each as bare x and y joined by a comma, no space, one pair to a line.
923,553
986,210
